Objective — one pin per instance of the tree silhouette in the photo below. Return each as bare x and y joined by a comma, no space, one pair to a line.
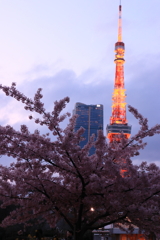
56,179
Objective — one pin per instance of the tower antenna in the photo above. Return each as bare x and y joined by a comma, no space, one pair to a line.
120,23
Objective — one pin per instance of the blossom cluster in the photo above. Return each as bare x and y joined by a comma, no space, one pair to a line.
57,179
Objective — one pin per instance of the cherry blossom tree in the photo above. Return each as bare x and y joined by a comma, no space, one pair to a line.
55,179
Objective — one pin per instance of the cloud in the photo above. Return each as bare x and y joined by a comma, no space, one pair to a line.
92,87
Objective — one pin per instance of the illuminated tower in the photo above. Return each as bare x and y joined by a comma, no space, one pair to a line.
118,120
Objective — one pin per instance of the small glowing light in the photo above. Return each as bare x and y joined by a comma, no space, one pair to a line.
98,105
92,209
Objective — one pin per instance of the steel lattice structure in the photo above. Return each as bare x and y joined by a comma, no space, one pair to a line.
118,120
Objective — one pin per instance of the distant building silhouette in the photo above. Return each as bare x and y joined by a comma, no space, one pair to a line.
90,117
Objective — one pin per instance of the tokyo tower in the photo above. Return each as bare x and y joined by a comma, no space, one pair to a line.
118,120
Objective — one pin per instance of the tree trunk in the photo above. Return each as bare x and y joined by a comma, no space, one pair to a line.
83,236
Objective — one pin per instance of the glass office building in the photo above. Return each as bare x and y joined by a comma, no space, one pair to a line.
90,117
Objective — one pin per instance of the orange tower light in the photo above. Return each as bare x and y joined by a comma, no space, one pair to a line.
118,120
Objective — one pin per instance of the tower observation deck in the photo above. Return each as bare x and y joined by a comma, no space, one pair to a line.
118,120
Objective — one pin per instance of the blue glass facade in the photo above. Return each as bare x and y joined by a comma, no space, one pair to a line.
90,117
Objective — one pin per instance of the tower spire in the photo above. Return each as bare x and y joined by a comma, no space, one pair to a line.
118,120
120,24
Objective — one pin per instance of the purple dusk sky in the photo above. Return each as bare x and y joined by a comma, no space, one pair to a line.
67,48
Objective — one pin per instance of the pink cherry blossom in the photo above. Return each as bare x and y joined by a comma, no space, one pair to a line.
55,179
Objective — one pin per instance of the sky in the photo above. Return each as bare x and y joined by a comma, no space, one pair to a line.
66,47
